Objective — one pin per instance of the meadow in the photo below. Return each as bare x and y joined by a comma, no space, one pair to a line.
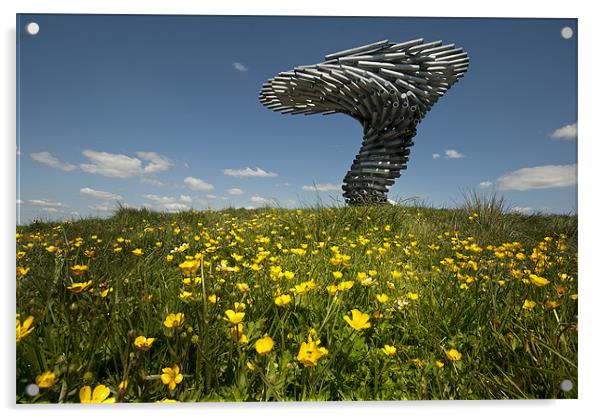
354,303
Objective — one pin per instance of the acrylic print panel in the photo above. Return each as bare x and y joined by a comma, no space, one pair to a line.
179,239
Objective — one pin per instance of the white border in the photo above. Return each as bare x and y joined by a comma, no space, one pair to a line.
589,240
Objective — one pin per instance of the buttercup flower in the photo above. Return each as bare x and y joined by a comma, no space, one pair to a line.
79,287
100,395
143,343
46,379
310,352
389,350
174,320
25,328
171,376
454,355
78,270
538,281
382,298
234,317
282,300
529,304
264,345
137,252
190,267
360,320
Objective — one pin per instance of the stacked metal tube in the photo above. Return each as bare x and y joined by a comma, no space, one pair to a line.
387,87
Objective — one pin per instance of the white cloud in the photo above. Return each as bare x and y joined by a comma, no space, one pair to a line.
236,191
485,184
176,207
152,182
210,196
164,203
51,210
185,198
100,194
248,172
452,153
102,207
522,210
121,166
435,156
50,160
198,184
323,187
541,177
44,202
262,200
566,132
240,67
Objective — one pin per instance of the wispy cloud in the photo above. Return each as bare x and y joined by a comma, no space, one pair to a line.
51,210
485,184
248,172
522,210
122,166
164,203
240,67
185,198
541,177
198,184
452,153
152,182
235,191
51,161
101,207
262,200
323,187
566,132
100,194
44,202
435,156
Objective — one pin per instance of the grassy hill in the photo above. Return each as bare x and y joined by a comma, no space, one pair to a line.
388,302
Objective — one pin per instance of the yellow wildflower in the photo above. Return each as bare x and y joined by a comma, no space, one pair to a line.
174,320
264,345
80,287
45,380
389,350
171,376
412,296
454,355
137,252
142,343
282,300
189,267
100,395
382,298
78,270
529,304
22,271
234,317
310,352
538,281
360,320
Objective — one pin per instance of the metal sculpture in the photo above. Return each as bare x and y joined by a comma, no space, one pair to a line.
387,87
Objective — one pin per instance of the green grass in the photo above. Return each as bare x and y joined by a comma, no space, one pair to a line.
471,275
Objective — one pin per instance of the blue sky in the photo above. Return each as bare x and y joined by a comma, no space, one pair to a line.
162,111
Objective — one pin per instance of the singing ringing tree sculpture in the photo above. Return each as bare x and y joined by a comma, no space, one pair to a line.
387,87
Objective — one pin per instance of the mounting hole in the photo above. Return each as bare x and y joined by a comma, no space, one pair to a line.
566,32
566,385
32,28
32,389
